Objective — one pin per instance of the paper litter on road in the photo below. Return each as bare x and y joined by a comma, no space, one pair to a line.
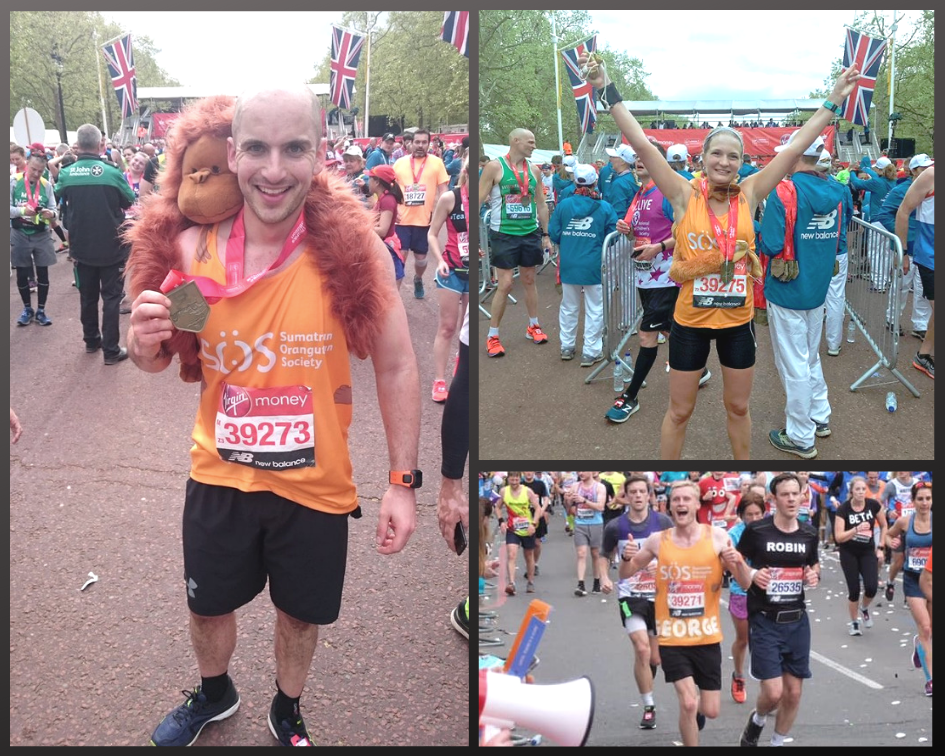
93,578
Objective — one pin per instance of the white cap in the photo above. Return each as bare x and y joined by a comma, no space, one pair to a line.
813,151
883,162
569,160
825,159
584,175
920,161
354,150
677,153
624,152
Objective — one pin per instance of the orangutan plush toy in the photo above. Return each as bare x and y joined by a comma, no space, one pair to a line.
196,187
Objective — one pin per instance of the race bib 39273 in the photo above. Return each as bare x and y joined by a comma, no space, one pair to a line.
266,428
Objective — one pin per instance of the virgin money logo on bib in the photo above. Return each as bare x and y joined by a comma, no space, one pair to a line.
236,401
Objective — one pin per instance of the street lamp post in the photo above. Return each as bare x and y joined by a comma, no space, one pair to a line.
57,59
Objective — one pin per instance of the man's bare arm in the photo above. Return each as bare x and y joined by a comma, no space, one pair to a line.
398,396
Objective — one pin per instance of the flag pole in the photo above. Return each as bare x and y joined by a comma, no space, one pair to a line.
101,93
892,78
367,88
554,47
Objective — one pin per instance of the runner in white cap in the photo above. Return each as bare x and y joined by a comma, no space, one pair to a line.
622,184
676,156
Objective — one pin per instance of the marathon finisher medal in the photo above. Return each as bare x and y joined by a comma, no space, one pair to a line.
728,271
526,200
189,309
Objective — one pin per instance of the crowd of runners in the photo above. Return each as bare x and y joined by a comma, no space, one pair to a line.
670,544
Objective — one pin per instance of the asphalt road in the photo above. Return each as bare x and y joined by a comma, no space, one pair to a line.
864,690
531,399
97,483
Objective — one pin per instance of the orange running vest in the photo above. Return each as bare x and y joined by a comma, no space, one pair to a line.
688,586
280,332
694,234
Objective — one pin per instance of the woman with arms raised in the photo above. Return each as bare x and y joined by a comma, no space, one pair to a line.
713,257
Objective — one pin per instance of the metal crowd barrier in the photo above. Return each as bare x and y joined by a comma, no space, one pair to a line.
488,282
622,308
874,279
552,258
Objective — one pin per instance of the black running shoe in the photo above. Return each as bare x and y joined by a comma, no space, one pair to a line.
460,618
288,733
649,718
752,732
183,725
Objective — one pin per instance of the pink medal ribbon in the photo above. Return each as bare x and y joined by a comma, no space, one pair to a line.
213,291
727,246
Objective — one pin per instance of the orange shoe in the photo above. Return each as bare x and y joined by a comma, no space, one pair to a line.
738,689
535,333
439,391
494,347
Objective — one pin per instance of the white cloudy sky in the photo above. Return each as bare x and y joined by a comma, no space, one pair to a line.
272,46
773,54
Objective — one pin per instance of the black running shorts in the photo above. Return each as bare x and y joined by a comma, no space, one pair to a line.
658,307
928,282
234,541
689,347
507,251
702,663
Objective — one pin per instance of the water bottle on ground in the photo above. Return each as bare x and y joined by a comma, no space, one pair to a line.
628,366
618,377
891,403
851,332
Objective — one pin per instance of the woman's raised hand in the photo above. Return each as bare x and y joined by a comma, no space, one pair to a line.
593,64
844,84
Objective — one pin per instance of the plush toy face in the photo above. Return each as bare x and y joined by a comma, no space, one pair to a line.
209,191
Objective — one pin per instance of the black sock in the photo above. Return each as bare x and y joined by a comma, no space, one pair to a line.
286,708
645,361
214,687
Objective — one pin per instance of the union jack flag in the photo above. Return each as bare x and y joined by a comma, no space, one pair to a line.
583,92
345,52
455,30
867,54
121,67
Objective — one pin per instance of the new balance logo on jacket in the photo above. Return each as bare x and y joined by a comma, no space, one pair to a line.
579,226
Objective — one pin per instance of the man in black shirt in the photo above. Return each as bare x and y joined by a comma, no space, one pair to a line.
538,515
783,552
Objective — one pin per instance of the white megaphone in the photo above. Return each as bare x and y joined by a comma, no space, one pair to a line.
562,712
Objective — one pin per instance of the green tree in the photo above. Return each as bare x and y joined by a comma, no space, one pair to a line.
416,78
913,94
39,38
517,75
